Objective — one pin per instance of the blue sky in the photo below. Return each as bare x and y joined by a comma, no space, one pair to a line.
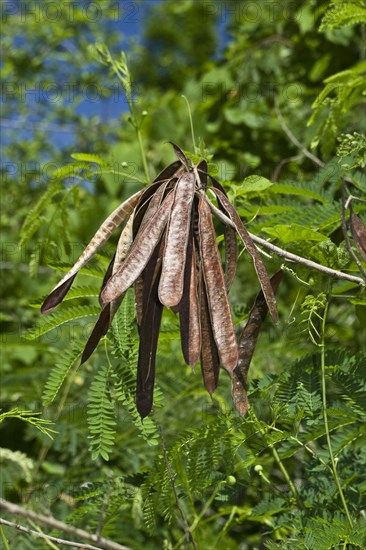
130,23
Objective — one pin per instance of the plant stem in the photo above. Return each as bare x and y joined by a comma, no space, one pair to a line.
187,529
142,151
53,523
325,414
190,122
288,255
4,539
287,477
135,122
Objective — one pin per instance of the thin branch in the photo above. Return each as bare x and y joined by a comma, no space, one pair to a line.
323,320
309,263
53,523
47,541
48,537
187,529
281,164
288,255
294,140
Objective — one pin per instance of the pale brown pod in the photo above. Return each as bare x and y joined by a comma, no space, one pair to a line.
100,238
139,254
189,313
210,361
221,320
251,248
231,256
152,311
172,275
108,312
358,231
247,343
154,204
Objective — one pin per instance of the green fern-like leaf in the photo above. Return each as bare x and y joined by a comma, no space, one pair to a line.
101,416
34,218
73,293
343,14
342,92
323,535
124,346
30,417
95,271
66,315
60,372
20,460
88,157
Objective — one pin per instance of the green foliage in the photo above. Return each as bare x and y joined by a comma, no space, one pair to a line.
59,373
101,416
343,91
66,315
343,14
31,418
124,346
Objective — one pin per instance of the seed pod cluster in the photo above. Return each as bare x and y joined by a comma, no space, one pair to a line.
168,252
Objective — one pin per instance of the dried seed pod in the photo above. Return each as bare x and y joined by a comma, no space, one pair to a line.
222,324
247,343
172,275
139,254
210,361
108,312
189,311
358,231
251,248
100,238
152,311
